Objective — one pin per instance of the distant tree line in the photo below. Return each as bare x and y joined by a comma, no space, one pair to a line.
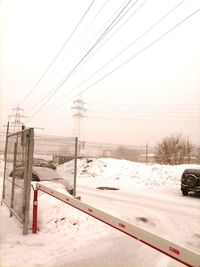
173,150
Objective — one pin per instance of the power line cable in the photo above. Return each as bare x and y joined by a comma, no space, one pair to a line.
127,47
136,54
148,104
147,111
119,26
116,17
141,51
119,16
91,22
59,51
153,107
109,39
85,29
50,94
132,43
181,107
140,118
140,36
54,91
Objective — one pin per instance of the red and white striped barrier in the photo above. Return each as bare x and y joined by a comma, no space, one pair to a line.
183,255
35,210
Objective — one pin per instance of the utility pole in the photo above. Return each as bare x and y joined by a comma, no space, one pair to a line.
147,150
146,154
78,113
188,148
188,151
16,122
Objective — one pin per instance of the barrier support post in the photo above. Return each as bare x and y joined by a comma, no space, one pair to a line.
35,210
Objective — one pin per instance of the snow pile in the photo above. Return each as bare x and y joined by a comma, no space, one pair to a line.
122,171
56,217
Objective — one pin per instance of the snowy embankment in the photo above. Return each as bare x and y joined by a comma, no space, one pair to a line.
126,174
149,196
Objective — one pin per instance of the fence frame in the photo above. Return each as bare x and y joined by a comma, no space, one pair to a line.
29,147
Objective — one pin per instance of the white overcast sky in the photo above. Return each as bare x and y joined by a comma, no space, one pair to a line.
157,93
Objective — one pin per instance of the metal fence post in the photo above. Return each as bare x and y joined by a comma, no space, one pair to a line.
75,165
27,179
13,177
5,163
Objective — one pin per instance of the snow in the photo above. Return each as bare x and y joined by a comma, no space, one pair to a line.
149,196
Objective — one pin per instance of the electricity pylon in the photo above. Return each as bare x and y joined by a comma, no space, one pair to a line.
15,122
79,114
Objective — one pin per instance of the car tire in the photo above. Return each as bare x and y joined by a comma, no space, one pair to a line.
184,192
71,191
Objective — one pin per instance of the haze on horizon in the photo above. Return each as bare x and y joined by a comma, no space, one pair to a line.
157,93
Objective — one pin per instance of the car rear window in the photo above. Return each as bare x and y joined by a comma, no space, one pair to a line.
193,171
46,174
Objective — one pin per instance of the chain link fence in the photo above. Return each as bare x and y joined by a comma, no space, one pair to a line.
18,158
52,151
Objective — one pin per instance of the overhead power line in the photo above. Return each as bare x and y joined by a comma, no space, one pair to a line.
106,42
193,106
140,118
91,22
134,56
140,36
54,90
131,44
122,51
140,52
147,110
116,22
58,53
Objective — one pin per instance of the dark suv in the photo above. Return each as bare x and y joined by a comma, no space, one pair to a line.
190,181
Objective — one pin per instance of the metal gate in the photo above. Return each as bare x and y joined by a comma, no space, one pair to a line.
18,173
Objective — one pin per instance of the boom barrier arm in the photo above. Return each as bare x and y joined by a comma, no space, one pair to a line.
178,253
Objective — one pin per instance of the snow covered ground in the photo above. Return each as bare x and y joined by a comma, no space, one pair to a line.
149,196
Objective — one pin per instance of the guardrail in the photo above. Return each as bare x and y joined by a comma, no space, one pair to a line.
178,253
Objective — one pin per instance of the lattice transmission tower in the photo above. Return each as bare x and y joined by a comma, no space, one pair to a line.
16,119
79,111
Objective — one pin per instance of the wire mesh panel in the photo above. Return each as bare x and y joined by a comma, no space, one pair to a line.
58,153
18,174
